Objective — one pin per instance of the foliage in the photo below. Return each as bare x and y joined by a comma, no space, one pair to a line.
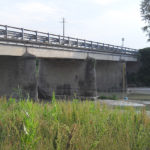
142,77
145,11
113,97
86,125
144,72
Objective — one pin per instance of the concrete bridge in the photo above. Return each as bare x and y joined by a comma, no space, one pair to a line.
36,63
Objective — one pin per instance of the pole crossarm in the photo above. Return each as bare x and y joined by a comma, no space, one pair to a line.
8,33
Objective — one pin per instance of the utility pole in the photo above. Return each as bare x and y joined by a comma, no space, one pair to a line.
124,78
63,22
123,73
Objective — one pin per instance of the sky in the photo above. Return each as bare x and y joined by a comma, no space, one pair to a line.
105,21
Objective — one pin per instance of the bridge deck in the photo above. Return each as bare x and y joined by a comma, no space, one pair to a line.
25,36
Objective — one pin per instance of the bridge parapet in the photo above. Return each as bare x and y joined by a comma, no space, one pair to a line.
25,36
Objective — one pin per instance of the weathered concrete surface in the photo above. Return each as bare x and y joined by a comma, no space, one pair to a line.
10,50
109,76
90,78
18,74
78,54
67,77
84,78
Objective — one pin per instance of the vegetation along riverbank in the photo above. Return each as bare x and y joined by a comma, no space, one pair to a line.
76,125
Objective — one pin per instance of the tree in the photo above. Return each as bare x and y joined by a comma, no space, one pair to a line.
145,12
142,76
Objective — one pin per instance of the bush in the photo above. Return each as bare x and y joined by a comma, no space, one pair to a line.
113,97
144,72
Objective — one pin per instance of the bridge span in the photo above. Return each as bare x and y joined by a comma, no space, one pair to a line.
65,65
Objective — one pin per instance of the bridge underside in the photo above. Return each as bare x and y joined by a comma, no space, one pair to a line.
20,76
79,77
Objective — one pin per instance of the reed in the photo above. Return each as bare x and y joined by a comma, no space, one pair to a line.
71,125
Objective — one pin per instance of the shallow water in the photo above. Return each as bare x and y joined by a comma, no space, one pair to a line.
122,103
127,103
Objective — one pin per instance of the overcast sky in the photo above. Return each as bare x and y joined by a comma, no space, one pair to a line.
105,21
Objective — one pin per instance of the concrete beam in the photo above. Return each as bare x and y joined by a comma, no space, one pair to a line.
81,55
54,53
9,50
13,50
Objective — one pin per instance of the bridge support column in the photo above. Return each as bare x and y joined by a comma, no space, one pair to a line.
67,77
90,78
18,76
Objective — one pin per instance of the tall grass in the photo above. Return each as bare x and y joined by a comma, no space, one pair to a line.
75,125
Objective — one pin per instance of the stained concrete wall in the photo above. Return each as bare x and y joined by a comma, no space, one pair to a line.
18,74
64,76
67,77
109,76
84,78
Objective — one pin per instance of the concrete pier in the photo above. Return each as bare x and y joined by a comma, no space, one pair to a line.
18,76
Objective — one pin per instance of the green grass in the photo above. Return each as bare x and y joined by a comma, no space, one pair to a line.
76,125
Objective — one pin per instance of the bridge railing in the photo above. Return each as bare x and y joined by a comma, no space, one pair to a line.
14,33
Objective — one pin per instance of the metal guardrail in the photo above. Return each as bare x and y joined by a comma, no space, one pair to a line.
25,35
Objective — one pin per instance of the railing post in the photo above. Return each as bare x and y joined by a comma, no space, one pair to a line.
108,45
103,46
121,50
84,43
91,44
124,50
68,40
77,42
36,36
22,33
97,45
48,38
6,30
59,40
